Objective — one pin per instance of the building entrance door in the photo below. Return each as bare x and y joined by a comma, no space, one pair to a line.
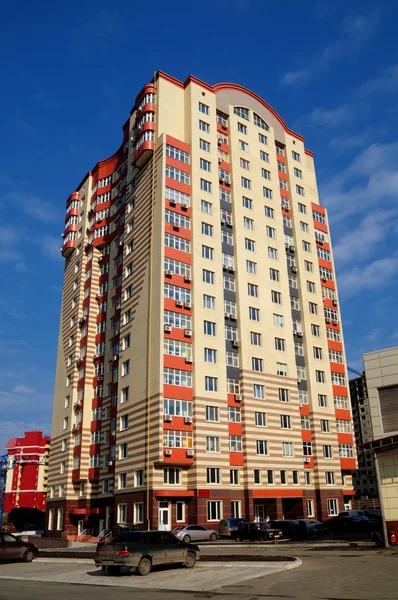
164,516
259,513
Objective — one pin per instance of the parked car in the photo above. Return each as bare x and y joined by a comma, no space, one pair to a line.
311,527
227,526
194,533
344,523
290,529
12,548
255,532
143,550
359,514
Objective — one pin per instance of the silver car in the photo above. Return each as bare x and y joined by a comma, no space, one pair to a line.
194,533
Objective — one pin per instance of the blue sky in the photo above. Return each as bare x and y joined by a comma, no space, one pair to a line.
70,75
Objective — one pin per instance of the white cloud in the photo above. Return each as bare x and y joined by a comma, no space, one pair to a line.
359,243
23,389
21,267
294,77
33,206
387,83
373,275
355,32
331,117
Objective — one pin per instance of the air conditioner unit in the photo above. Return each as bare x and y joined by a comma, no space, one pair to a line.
187,305
224,126
222,221
179,303
229,221
188,420
100,378
299,333
321,242
188,359
184,206
300,405
176,227
324,279
219,161
173,203
294,269
167,452
167,328
190,452
334,302
188,279
231,269
227,315
298,381
232,317
219,141
335,322
168,273
235,343
292,248
306,459
115,357
238,397
101,258
120,244
225,267
110,463
327,320
188,332
168,418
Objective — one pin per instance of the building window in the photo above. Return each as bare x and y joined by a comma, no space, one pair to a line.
320,376
235,509
139,477
234,477
260,419
305,422
257,364
309,504
255,338
296,478
212,443
203,126
233,414
276,297
283,475
280,344
325,425
258,391
60,519
213,475
252,290
257,476
211,384
214,510
270,477
235,443
333,507
51,514
247,203
287,449
267,193
286,422
139,512
203,108
254,314
205,186
273,274
212,413
251,267
204,145
123,451
262,447
171,476
281,369
329,477
327,451
180,512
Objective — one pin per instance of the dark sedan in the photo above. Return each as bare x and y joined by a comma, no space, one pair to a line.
312,528
12,548
290,529
255,532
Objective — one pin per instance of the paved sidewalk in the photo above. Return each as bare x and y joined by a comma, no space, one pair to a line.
204,577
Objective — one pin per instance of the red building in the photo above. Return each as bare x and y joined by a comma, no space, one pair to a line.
27,476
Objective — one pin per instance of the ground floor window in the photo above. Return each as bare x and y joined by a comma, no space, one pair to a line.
235,509
139,512
122,513
310,508
51,519
60,519
180,512
333,507
214,510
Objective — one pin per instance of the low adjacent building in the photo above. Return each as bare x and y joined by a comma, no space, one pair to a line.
27,476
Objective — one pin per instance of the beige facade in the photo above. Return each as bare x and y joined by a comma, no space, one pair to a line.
220,298
381,371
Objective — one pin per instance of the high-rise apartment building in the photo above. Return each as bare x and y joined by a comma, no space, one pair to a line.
201,370
26,485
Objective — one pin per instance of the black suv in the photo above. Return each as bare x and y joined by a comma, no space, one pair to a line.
143,550
255,532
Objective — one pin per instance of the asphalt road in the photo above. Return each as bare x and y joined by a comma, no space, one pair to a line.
325,576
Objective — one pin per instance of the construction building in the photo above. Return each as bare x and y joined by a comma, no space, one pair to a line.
201,371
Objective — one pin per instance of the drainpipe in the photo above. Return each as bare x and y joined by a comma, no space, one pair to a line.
383,519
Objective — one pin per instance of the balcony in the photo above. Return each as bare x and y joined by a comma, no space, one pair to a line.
68,247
